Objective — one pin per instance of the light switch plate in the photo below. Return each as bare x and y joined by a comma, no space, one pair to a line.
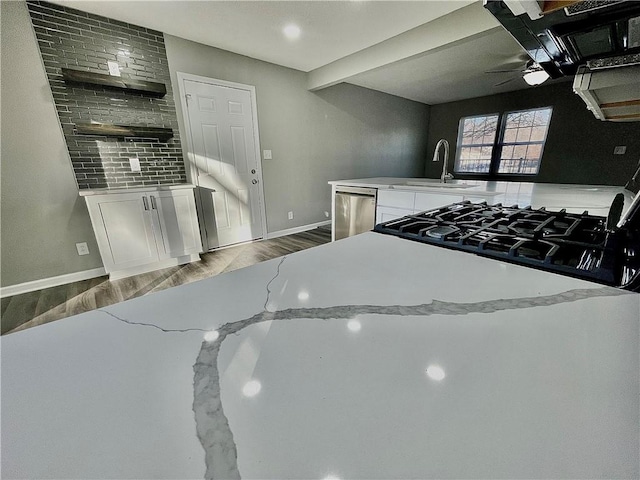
134,163
266,154
83,248
114,69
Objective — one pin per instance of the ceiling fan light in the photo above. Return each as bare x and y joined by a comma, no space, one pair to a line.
536,78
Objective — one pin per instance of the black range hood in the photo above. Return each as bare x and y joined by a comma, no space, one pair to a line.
562,35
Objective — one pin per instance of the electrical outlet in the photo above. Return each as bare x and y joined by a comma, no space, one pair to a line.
83,248
620,150
290,215
114,69
266,154
134,163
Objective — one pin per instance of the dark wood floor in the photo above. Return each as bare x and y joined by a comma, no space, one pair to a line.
43,306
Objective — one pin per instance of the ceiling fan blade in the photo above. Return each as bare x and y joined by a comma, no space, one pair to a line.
505,81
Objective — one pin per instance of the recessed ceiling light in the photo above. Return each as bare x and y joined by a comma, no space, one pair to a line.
291,31
435,372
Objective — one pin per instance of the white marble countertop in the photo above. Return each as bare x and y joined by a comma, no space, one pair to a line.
596,199
150,188
371,357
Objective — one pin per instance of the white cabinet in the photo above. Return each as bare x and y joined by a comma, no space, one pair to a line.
394,204
396,199
386,214
175,218
429,201
146,230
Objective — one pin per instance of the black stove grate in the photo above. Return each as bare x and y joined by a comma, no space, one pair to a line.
578,245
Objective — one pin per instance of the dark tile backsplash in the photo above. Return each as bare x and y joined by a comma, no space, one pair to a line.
69,38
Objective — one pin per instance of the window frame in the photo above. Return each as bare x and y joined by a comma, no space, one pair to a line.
459,144
498,145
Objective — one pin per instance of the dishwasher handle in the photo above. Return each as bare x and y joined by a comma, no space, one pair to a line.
366,192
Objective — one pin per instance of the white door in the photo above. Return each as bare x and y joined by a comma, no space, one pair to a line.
227,167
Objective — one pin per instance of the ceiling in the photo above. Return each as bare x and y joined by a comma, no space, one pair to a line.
429,51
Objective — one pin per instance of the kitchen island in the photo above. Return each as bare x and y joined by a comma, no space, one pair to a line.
397,197
371,357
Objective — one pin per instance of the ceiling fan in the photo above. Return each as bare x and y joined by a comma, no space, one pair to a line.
531,72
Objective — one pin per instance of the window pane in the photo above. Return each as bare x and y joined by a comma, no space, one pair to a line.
475,143
478,130
534,152
538,133
519,151
507,151
467,132
528,131
471,160
510,135
524,134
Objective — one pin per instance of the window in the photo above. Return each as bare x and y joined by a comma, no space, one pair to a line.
507,144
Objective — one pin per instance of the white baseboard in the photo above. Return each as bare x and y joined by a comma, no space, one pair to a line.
150,267
50,282
291,231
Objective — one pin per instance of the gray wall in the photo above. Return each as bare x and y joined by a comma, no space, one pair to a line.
579,148
341,132
42,216
70,38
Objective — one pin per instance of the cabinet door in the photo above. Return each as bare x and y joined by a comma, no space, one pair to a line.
176,223
396,199
386,214
429,201
124,231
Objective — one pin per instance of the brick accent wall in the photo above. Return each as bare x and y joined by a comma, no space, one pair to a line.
69,38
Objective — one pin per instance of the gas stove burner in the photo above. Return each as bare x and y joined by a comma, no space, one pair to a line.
534,250
526,228
440,231
579,245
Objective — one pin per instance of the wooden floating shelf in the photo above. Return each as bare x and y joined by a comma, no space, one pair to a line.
155,89
124,131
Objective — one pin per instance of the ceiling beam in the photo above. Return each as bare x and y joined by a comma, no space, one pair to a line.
452,28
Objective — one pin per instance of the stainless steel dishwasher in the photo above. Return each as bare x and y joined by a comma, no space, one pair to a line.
355,210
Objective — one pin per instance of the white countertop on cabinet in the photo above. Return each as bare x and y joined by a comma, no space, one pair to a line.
149,188
371,357
575,198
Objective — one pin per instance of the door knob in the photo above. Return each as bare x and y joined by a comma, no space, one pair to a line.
254,181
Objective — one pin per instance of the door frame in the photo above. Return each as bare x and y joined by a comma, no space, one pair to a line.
191,169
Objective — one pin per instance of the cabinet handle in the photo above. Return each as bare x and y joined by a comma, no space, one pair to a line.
144,202
153,203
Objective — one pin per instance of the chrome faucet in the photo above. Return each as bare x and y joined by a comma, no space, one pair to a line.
445,176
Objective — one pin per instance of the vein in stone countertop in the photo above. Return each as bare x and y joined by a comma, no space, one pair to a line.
166,330
212,425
